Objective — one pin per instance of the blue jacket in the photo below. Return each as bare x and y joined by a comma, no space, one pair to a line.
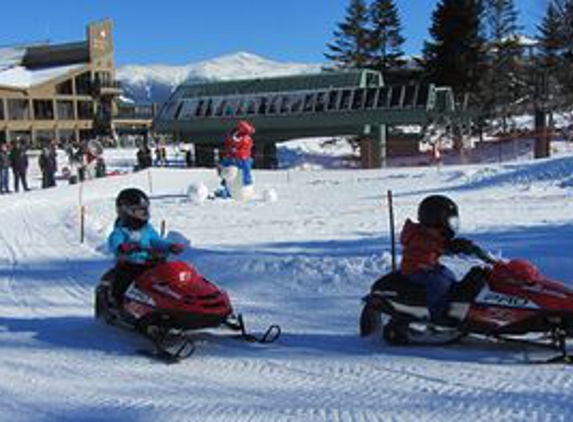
146,237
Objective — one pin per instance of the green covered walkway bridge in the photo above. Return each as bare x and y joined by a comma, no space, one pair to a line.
351,103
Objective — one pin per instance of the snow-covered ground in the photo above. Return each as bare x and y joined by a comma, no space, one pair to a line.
302,261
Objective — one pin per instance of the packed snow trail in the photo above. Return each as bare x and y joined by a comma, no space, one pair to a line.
302,262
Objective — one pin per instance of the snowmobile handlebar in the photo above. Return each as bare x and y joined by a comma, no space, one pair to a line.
484,255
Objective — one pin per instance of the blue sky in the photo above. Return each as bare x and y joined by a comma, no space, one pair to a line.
184,31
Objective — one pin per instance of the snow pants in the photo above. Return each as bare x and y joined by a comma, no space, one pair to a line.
244,165
438,283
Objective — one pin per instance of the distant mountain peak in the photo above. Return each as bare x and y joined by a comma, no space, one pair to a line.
154,82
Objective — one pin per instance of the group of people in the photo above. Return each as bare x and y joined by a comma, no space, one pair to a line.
13,157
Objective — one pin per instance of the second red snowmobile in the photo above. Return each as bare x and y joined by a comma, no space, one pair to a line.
506,300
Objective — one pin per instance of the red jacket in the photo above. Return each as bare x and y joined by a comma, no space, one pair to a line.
421,247
238,146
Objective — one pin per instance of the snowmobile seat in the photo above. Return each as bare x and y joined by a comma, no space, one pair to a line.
400,283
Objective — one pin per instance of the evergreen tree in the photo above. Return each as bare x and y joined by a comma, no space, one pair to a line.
505,83
454,55
385,35
551,37
350,48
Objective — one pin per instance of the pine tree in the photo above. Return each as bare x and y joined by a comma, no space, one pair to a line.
551,37
454,56
504,81
385,35
351,39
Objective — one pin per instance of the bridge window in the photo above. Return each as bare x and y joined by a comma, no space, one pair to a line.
410,96
188,108
396,96
199,110
333,97
346,99
371,97
219,107
285,103
383,98
172,110
320,102
309,101
263,106
423,94
274,103
241,107
358,99
296,103
208,108
252,105
65,88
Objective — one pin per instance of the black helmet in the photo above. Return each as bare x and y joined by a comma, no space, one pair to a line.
439,211
132,206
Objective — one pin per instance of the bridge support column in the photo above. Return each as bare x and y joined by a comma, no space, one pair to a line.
265,156
204,155
373,147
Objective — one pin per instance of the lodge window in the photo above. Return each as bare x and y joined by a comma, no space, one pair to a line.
64,88
43,110
85,110
19,109
65,110
83,84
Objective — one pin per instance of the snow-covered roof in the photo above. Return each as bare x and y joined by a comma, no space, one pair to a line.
21,77
11,56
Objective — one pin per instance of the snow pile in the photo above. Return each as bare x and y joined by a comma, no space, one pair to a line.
197,193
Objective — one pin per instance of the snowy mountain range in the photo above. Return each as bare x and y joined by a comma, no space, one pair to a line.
154,83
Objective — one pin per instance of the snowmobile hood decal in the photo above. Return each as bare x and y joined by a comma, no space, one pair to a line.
487,296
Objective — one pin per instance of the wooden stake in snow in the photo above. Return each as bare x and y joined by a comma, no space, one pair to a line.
392,236
82,223
150,182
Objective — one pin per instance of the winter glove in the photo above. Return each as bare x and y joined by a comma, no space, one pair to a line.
176,248
463,246
129,247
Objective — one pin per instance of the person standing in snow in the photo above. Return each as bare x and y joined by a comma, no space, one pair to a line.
48,165
423,244
19,164
4,169
238,150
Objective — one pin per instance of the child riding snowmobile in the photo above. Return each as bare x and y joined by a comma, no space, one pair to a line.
424,243
162,300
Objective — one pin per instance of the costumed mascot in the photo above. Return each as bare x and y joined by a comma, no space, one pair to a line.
235,166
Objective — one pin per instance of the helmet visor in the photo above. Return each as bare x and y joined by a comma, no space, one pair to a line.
137,212
454,224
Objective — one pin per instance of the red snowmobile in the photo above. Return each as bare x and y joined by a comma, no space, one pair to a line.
507,301
169,301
